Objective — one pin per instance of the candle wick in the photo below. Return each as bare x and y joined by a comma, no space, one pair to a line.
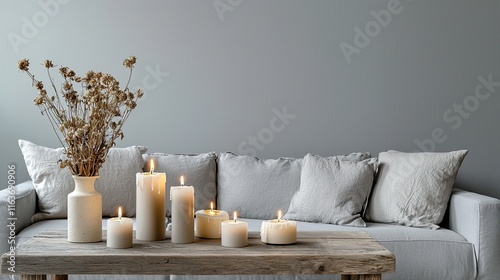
151,171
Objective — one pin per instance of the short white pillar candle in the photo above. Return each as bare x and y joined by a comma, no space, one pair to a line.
208,222
278,231
234,233
119,232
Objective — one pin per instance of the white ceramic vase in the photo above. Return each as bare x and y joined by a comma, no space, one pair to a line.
84,211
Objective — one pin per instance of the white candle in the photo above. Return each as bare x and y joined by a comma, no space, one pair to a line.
150,205
208,222
182,198
278,231
234,233
119,232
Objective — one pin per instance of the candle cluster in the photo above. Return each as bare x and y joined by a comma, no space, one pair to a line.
210,223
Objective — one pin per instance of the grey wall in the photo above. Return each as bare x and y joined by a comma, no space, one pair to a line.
217,72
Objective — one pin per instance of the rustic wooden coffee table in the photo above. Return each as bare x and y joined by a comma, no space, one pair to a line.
355,255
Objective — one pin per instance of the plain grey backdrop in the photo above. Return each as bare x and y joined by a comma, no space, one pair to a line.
272,78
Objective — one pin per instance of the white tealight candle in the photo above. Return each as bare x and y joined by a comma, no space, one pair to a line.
208,222
150,205
119,232
234,233
182,213
278,231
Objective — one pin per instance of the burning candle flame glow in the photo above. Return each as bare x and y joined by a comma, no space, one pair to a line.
211,206
119,212
152,166
234,216
182,180
279,215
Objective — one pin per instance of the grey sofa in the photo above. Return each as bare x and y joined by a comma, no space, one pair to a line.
466,246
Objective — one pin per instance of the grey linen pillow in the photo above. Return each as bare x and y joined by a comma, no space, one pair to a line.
53,184
199,171
332,190
259,188
413,189
256,188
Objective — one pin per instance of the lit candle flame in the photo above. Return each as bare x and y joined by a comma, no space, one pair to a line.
279,215
119,212
152,167
211,206
182,180
234,216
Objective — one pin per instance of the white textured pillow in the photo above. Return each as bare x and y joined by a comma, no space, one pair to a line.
413,189
116,180
332,190
259,188
199,171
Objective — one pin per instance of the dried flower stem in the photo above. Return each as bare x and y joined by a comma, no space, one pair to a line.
86,123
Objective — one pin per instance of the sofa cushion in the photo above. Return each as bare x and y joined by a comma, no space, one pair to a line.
53,184
199,171
259,188
256,188
332,190
413,189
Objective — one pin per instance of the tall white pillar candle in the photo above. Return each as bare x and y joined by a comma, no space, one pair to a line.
278,231
234,233
182,198
208,222
119,232
150,205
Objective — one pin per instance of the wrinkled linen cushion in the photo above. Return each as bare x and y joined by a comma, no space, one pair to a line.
199,171
413,189
116,181
259,188
332,191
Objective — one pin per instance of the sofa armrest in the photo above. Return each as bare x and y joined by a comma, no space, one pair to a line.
477,218
23,204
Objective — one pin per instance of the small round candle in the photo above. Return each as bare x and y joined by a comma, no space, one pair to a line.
119,232
278,231
234,233
208,222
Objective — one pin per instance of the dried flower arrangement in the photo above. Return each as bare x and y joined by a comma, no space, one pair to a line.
87,123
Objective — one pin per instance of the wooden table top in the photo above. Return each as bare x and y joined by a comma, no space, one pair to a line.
341,252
